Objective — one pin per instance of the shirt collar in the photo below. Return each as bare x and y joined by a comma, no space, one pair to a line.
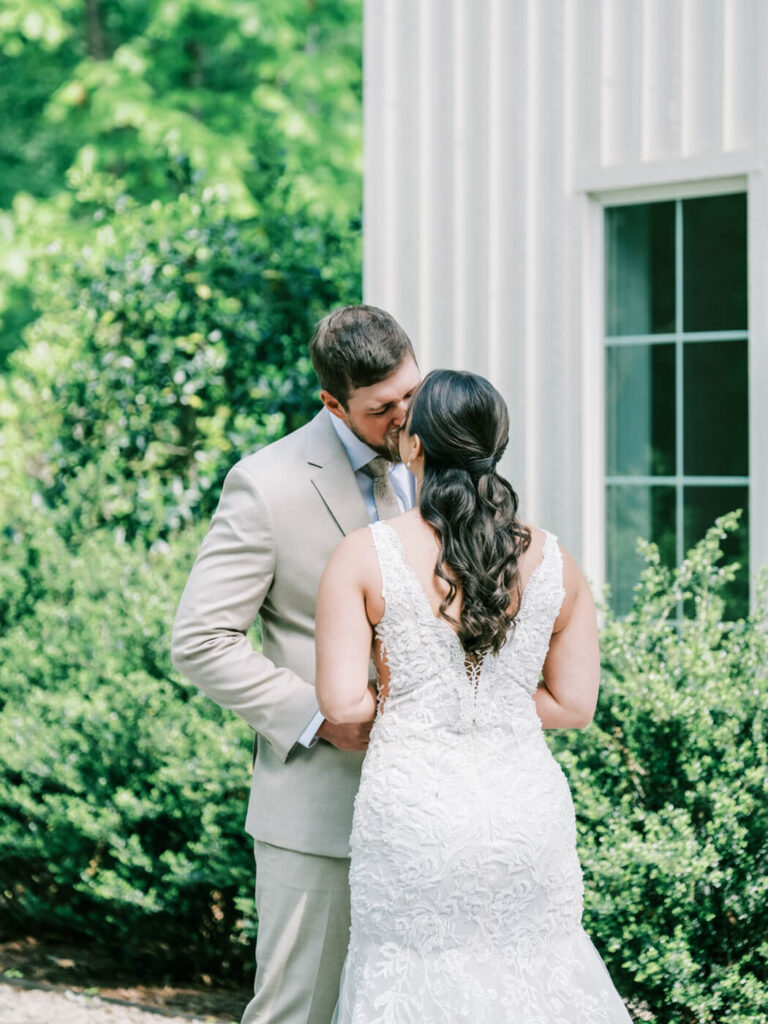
358,452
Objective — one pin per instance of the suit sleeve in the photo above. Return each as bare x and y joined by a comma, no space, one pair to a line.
225,590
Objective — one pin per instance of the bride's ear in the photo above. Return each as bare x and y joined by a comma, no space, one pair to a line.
415,450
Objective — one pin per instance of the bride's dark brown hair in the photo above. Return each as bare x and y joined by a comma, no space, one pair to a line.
463,424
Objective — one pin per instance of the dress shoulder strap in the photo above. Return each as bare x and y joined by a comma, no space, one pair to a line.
389,550
545,590
551,554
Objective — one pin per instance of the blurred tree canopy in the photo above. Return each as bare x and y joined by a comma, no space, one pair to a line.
259,97
180,197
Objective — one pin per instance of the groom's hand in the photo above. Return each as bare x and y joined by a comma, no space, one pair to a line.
353,736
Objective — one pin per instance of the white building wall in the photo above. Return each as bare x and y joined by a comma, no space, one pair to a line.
496,131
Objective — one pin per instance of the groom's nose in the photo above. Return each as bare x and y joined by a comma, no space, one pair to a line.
401,411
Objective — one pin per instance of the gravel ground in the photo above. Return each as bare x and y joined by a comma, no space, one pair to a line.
49,1006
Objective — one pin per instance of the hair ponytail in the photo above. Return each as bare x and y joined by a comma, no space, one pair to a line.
463,425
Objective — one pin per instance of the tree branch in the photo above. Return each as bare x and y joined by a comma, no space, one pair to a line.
97,42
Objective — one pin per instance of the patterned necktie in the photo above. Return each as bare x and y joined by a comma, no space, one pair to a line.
383,492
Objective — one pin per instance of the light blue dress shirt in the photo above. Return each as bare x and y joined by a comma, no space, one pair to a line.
359,455
404,485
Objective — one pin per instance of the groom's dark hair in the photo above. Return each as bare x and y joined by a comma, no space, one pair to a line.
356,346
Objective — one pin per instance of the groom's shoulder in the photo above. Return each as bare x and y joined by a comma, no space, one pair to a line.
282,459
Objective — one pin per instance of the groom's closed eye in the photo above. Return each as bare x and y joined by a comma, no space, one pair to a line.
388,406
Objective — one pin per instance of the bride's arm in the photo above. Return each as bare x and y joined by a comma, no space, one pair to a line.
343,634
567,697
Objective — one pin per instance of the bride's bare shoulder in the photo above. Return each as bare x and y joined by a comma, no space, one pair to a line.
354,547
353,568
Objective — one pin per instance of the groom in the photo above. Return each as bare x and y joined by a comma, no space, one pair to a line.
281,513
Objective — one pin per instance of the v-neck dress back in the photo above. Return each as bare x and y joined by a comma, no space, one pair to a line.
465,883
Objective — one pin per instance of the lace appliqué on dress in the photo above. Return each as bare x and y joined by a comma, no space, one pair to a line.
465,883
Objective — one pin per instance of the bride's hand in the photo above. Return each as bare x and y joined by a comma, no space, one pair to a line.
350,736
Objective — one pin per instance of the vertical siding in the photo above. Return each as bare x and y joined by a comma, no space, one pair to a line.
508,218
433,323
404,131
527,387
621,100
490,127
702,56
743,34
391,191
757,213
547,333
661,80
677,79
376,178
471,155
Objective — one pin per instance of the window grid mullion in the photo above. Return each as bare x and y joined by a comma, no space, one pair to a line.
674,481
679,450
660,339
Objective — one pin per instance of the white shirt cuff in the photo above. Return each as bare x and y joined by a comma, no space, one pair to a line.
309,737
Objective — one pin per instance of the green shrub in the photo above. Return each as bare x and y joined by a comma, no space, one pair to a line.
173,343
671,790
122,791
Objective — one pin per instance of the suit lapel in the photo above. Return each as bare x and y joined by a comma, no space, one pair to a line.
333,477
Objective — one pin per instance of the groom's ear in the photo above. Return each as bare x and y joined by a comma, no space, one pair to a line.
333,405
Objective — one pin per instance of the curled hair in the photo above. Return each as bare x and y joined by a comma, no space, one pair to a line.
463,424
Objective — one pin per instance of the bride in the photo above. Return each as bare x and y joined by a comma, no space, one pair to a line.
465,882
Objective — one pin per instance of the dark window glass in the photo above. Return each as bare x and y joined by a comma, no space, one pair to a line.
640,410
715,263
701,506
634,511
640,269
715,408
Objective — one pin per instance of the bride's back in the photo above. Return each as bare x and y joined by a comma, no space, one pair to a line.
429,683
421,547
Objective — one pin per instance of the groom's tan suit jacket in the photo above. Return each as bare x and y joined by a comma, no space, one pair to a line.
282,512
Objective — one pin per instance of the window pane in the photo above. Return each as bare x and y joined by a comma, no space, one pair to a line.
640,269
715,263
701,506
640,410
715,408
634,511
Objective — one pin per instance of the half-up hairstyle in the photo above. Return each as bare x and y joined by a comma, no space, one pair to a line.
463,424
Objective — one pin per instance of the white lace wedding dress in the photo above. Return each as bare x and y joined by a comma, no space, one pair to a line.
465,882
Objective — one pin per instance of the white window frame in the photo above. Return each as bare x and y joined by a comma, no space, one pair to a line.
593,364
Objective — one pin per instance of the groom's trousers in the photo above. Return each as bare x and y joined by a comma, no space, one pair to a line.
302,902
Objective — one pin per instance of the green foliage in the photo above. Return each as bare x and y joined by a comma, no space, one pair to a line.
122,792
174,342
180,195
671,791
262,99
